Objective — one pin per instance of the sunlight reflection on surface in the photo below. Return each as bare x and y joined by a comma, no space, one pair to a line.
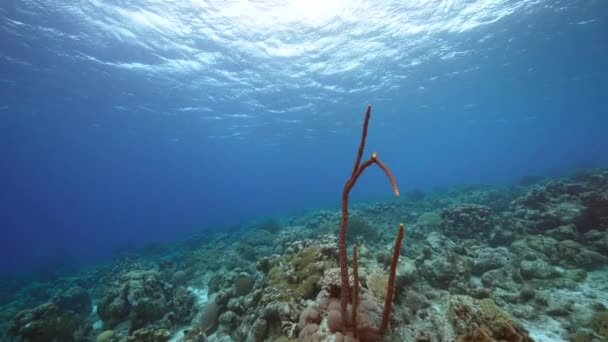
285,58
274,15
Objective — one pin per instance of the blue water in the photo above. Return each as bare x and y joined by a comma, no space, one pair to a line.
129,122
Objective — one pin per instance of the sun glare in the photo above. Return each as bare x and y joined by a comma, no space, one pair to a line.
307,12
315,12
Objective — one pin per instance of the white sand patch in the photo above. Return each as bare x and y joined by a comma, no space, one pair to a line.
596,286
202,295
98,325
475,280
594,289
177,336
546,330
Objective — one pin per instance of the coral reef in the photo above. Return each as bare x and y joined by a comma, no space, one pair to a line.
481,264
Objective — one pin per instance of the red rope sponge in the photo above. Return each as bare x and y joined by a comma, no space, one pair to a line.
388,301
356,290
357,171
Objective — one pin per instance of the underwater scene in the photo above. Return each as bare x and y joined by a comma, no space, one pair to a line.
303,170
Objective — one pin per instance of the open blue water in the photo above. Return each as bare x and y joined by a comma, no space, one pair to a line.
129,122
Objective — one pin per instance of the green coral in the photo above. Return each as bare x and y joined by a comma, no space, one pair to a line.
285,339
491,310
581,336
599,324
295,277
359,226
328,227
106,336
305,258
271,225
429,220
149,335
248,252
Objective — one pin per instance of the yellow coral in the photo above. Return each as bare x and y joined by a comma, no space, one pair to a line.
285,339
377,283
429,220
491,310
105,336
599,323
295,277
